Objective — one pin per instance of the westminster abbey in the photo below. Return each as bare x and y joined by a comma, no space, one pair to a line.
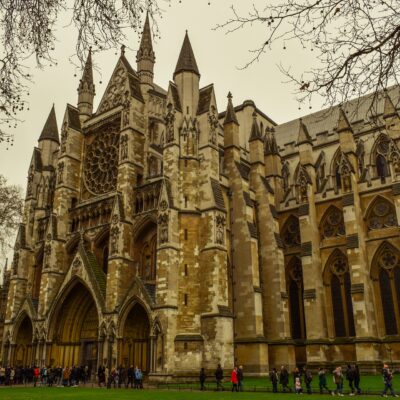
164,232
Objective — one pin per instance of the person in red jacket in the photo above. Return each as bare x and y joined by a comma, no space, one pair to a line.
35,375
234,380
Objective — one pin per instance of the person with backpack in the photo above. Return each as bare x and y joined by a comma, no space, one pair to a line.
350,378
338,380
387,376
322,381
308,380
273,377
284,379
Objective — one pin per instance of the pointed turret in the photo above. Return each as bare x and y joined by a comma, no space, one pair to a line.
50,129
86,91
187,79
186,61
145,56
230,115
255,133
303,136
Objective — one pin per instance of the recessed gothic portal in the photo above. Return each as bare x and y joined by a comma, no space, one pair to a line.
23,350
75,329
135,344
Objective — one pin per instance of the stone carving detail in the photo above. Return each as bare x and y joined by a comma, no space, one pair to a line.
291,233
101,162
296,271
302,181
382,215
60,176
124,147
163,227
114,239
64,137
345,171
169,123
332,224
126,110
76,265
388,259
220,229
115,91
213,125
339,265
30,180
360,151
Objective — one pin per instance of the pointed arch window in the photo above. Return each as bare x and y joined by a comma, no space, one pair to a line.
295,289
387,264
381,214
340,288
291,232
332,223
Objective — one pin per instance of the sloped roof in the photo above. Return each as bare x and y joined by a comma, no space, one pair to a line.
358,112
50,129
186,61
204,99
73,117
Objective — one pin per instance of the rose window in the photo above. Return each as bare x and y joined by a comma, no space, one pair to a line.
382,215
388,259
291,233
333,224
339,266
101,161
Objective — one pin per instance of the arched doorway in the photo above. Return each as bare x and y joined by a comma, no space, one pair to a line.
75,330
23,343
135,344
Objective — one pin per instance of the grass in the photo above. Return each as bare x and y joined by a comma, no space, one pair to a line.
20,393
255,390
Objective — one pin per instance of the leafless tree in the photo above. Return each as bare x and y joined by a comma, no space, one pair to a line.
356,43
28,30
11,206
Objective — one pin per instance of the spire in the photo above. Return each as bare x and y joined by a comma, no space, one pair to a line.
50,130
88,70
303,136
86,90
389,110
145,57
255,129
186,61
343,122
230,115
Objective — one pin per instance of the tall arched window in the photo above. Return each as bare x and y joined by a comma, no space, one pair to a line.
381,214
291,232
295,289
386,266
382,168
380,155
340,286
332,224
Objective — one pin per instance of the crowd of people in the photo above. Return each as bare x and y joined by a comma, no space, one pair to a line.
71,376
303,378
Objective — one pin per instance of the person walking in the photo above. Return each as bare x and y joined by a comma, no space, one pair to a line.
350,378
338,380
273,377
387,379
202,378
296,374
357,378
36,373
234,380
284,379
322,381
131,376
240,377
308,380
297,385
219,375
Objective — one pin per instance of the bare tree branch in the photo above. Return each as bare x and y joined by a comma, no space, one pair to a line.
28,30
356,43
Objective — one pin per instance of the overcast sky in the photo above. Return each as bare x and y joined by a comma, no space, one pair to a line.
218,56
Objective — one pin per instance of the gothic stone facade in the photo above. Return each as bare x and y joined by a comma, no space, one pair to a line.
162,233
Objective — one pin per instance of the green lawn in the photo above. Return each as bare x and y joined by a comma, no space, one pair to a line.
55,393
255,391
369,384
